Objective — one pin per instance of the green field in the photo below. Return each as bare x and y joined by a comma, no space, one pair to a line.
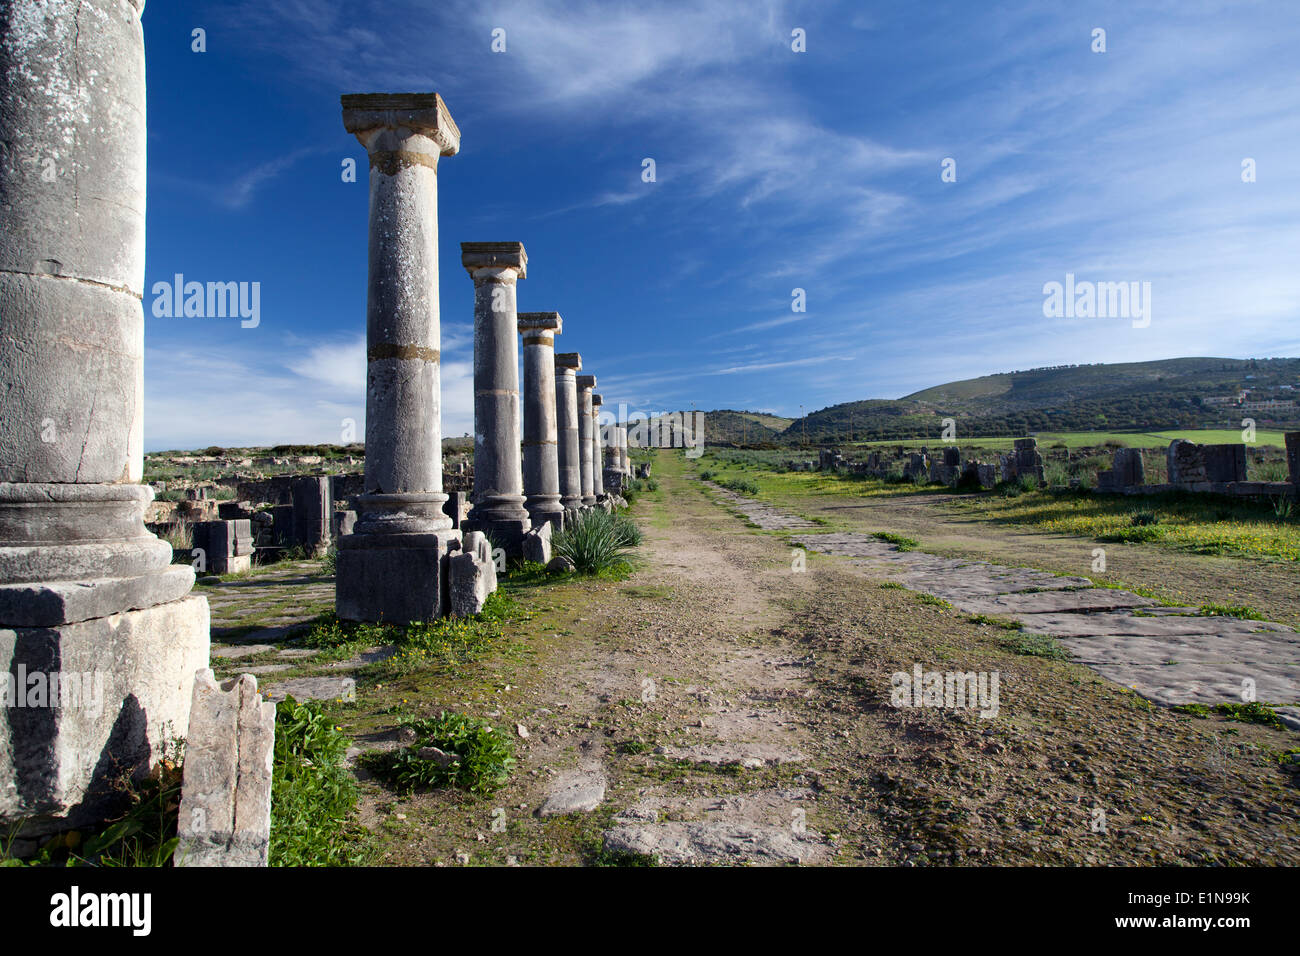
1091,439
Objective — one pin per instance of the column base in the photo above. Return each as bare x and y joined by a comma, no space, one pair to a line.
124,684
502,534
393,578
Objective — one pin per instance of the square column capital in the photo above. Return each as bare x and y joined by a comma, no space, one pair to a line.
541,322
568,360
586,381
494,255
422,113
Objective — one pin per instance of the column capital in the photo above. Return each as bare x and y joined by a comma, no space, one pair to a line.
571,361
494,261
541,322
369,115
586,382
596,399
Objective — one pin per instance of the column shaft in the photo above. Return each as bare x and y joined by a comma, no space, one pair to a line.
568,433
541,451
586,444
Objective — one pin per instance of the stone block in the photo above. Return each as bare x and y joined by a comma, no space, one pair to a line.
1185,462
313,506
342,523
537,544
227,545
394,579
470,581
1224,463
456,507
1293,459
58,765
225,815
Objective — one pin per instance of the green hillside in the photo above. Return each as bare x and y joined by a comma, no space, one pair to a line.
1130,397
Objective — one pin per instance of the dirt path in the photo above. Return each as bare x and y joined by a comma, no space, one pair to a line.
724,705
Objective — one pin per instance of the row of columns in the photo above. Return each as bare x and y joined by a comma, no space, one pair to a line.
402,538
563,442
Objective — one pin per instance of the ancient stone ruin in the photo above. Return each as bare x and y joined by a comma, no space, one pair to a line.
91,607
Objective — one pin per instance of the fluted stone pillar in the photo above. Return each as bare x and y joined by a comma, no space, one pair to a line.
568,437
541,452
625,460
392,567
100,638
597,448
586,443
498,499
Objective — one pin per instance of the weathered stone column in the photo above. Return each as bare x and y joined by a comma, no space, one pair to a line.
597,448
498,499
541,454
569,447
99,637
392,567
586,443
624,456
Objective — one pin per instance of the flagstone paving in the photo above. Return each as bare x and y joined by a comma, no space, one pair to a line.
1171,657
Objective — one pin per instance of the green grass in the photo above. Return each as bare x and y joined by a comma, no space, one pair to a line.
1035,645
1231,610
313,795
1202,524
902,542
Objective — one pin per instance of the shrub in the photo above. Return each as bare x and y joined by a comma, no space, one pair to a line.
481,756
741,486
1141,519
596,540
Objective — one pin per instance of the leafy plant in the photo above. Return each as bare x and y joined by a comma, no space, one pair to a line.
450,750
312,793
901,542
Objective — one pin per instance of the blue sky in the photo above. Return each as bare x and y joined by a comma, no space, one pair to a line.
775,170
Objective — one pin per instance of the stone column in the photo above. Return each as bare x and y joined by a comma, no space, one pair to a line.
585,441
569,447
498,499
622,449
392,567
541,454
597,448
91,608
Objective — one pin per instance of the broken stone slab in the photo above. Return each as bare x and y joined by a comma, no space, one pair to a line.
1117,623
225,813
237,651
267,668
695,843
537,543
470,581
1041,602
314,688
1183,649
1171,684
574,791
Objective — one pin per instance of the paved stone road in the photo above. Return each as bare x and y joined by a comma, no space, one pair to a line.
1168,655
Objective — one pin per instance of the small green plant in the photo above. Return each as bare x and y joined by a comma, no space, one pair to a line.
329,563
1283,508
1035,645
1002,622
1142,519
1230,610
1251,713
741,486
892,586
899,541
450,750
707,475
1134,535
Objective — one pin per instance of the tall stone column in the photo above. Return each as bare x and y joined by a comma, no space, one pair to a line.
498,499
597,447
586,443
99,636
392,567
541,452
568,437
625,460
